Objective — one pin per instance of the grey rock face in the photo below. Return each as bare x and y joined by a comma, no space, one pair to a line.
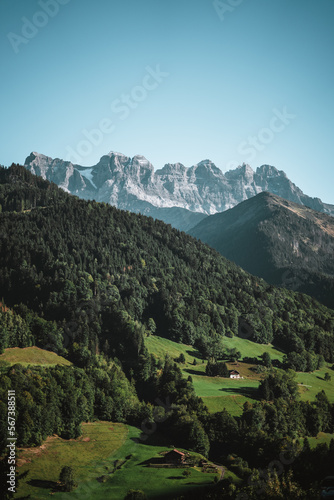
132,184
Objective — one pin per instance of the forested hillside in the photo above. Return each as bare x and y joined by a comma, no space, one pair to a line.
131,273
90,282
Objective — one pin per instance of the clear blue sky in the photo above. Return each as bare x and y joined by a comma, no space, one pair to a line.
232,72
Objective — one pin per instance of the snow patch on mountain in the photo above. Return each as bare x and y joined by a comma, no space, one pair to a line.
87,172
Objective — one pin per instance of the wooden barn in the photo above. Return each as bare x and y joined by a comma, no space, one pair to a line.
174,457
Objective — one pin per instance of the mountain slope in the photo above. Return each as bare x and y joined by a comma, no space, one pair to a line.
132,184
284,243
103,280
112,273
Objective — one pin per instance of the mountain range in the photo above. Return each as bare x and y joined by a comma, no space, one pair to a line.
70,251
176,194
283,242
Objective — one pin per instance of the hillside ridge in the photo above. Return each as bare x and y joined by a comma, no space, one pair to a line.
283,242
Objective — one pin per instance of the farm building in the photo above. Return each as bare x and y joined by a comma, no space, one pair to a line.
175,457
234,374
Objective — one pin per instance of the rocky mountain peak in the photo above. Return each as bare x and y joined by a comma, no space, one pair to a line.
243,170
115,153
30,158
119,160
205,170
270,171
132,184
172,169
142,162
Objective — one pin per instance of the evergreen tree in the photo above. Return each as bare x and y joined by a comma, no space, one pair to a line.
66,479
266,359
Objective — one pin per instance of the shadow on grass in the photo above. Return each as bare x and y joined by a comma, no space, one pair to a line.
248,392
195,354
203,483
175,477
194,491
279,349
153,461
40,483
154,439
195,372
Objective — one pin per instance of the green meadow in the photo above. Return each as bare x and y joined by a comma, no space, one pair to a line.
95,456
109,459
312,383
252,349
32,356
219,393
98,440
321,438
160,347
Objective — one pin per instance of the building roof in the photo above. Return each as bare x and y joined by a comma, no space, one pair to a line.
176,451
234,372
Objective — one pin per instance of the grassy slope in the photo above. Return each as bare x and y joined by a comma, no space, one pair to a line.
251,349
98,441
32,356
160,346
218,393
322,437
93,456
155,482
314,383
